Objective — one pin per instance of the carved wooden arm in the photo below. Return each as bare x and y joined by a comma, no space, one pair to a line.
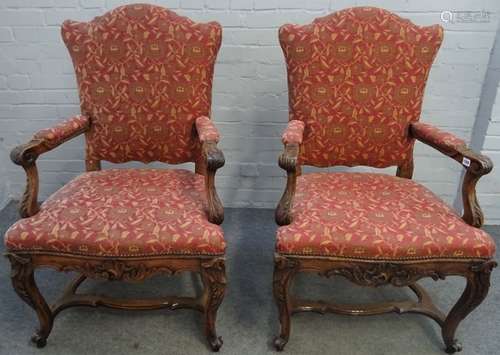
212,159
476,165
25,155
288,160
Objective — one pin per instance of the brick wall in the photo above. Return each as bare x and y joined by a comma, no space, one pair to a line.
37,85
4,185
487,137
489,186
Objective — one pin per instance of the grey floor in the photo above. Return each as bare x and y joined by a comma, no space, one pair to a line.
247,318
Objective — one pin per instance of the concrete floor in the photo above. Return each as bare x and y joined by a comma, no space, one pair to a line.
247,318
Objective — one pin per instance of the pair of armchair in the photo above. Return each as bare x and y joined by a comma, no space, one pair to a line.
356,82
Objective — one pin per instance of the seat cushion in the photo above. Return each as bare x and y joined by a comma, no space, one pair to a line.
376,216
123,212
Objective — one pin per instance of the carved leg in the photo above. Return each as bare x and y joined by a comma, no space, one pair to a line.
284,269
23,281
213,275
478,283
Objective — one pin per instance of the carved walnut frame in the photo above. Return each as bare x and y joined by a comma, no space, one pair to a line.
132,269
374,273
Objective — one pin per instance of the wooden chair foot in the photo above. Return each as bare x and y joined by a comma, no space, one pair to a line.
213,275
39,341
215,343
453,348
279,343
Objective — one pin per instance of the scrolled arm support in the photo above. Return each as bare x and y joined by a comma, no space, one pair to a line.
475,164
26,155
480,165
212,159
288,161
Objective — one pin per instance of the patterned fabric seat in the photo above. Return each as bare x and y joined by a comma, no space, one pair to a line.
123,212
376,216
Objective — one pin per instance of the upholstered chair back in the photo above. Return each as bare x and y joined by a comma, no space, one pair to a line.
144,75
356,78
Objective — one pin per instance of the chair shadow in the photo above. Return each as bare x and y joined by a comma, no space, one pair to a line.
184,284
250,236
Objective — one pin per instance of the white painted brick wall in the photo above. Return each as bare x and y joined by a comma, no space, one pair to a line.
4,184
489,188
37,85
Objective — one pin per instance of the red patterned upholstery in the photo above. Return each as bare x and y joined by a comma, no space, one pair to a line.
376,216
122,212
294,132
62,130
144,76
207,130
356,79
433,134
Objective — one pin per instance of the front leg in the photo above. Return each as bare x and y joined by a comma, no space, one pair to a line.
23,281
213,275
478,284
284,270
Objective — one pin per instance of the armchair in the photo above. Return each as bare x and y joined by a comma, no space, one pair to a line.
356,82
144,76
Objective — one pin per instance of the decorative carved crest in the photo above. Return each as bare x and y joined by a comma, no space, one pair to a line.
117,270
379,274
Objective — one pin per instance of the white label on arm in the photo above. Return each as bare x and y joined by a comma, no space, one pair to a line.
466,162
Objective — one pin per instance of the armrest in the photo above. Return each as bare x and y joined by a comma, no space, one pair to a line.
294,132
207,132
288,160
212,159
26,155
475,164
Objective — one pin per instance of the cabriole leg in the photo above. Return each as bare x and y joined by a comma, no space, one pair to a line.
23,281
284,270
213,275
478,283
